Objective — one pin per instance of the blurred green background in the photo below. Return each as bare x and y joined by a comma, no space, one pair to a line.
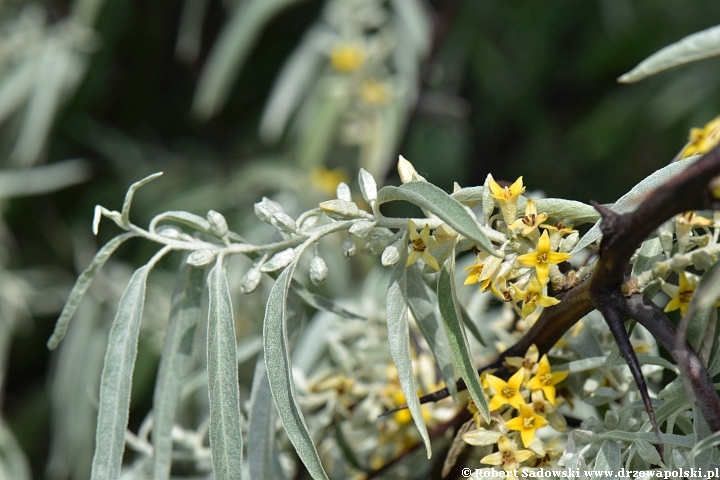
513,88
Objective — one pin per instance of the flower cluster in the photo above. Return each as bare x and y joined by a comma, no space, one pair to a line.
520,407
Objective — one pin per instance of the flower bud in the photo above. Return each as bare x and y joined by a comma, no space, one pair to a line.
569,242
265,208
318,271
278,261
348,248
368,187
362,228
250,280
283,222
169,231
340,209
391,254
218,224
200,258
343,192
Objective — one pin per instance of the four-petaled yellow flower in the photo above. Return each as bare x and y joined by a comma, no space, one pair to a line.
506,392
346,58
530,221
542,258
508,456
532,297
420,243
528,363
681,294
702,140
507,196
546,379
526,424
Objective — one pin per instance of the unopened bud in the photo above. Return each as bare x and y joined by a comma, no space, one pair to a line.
169,231
569,242
368,186
278,261
340,209
283,222
348,248
343,192
318,271
265,208
392,253
200,258
250,280
218,224
407,171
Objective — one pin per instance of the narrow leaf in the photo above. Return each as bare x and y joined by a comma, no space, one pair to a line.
262,451
631,200
81,286
279,372
319,302
698,46
175,363
223,388
125,215
423,309
428,196
116,379
450,314
399,340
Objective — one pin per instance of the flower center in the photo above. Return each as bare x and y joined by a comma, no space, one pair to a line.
508,459
507,296
559,225
546,379
508,392
529,220
685,295
532,298
542,257
529,422
539,407
418,245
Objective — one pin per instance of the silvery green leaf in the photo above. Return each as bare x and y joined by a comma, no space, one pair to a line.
378,240
568,243
368,187
185,218
16,87
455,332
666,234
698,46
283,222
423,308
340,209
667,439
229,53
13,462
488,202
250,280
125,215
399,340
81,286
348,248
43,178
482,437
189,36
330,103
428,196
650,252
362,228
262,451
647,452
318,271
577,212
278,261
322,303
416,23
223,389
116,379
609,457
200,258
175,363
279,370
218,224
701,456
343,192
630,200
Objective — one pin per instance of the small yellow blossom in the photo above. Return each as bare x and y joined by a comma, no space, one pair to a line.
420,243
681,294
702,140
508,456
542,407
557,231
530,221
532,298
546,379
374,93
685,224
507,196
506,392
346,58
526,424
499,287
328,180
528,363
542,258
483,270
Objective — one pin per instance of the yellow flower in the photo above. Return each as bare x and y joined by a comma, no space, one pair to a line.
547,410
526,424
530,222
374,93
507,196
327,180
542,258
681,294
528,363
702,140
507,455
506,392
685,224
483,270
499,287
532,297
404,416
557,231
346,58
546,379
420,243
